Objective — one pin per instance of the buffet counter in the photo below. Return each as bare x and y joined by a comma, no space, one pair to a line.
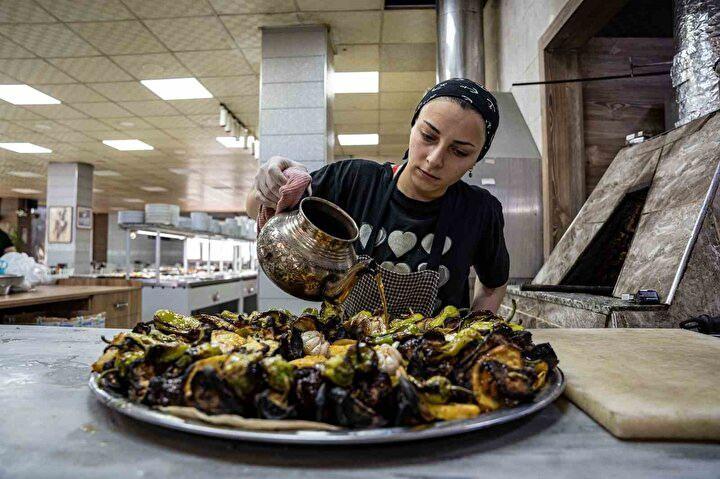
120,303
73,435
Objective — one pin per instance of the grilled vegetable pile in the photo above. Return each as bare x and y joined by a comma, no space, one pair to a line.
358,372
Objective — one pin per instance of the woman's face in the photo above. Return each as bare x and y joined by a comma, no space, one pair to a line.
444,144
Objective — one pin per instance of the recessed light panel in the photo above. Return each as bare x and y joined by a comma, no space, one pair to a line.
128,145
24,148
154,189
25,174
133,200
26,191
106,173
359,140
355,82
177,88
25,95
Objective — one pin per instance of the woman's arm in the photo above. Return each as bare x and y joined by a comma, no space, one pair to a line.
487,298
268,180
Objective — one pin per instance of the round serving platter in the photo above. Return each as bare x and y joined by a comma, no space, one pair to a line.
552,390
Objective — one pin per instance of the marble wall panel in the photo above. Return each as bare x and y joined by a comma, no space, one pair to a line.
656,250
639,319
685,170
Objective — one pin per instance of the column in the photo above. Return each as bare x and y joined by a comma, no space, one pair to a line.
295,115
69,186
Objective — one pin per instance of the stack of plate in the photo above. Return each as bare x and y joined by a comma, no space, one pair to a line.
185,222
200,221
229,227
130,216
162,214
214,226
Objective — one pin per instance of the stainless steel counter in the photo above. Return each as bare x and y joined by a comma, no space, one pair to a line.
52,427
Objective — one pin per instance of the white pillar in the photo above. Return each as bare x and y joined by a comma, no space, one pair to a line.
295,114
69,186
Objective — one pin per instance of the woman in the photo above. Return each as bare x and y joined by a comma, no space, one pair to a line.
419,220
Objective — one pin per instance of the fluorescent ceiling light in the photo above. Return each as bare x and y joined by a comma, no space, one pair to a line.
177,88
97,190
106,173
357,140
355,82
153,188
162,235
128,145
231,141
25,174
133,200
24,148
25,191
25,95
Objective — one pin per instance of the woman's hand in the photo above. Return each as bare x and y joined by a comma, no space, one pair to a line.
268,180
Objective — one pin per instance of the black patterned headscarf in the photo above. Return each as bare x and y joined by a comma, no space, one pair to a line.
474,95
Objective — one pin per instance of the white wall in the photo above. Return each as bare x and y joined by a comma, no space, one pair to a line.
520,24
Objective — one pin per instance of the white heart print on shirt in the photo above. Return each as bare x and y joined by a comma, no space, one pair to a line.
427,242
443,272
400,243
401,268
364,235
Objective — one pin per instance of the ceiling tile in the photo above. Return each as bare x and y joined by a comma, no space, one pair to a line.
42,126
395,139
191,33
215,63
348,27
404,57
23,11
91,69
8,49
68,136
172,121
231,86
48,40
56,112
356,128
86,10
192,133
400,100
127,123
396,116
102,110
243,104
85,125
33,71
393,150
396,128
252,6
108,134
124,91
149,108
355,116
360,151
409,26
356,101
197,107
254,58
245,29
357,58
152,66
406,81
117,38
168,8
71,93
332,5
205,121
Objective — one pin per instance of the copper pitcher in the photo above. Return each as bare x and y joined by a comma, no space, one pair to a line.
309,252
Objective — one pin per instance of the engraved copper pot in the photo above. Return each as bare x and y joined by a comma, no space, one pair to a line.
309,253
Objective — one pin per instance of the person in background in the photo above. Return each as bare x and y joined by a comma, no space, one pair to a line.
6,244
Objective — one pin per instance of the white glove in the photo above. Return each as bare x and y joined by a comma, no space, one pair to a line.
270,178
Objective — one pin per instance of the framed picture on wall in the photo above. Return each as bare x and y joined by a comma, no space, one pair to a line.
60,224
84,217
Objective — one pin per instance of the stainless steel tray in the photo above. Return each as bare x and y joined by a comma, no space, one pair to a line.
552,390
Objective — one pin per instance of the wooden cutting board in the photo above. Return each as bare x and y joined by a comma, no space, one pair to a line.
642,383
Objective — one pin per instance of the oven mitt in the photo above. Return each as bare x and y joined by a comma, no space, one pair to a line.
290,194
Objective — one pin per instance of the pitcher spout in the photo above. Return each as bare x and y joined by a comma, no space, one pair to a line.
336,289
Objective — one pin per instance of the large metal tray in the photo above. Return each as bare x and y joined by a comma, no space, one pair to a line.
552,390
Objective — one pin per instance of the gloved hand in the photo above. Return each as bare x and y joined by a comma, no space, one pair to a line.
270,178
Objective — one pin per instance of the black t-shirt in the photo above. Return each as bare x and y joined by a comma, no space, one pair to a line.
5,242
475,237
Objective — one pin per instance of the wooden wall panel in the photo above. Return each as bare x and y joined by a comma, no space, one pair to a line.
615,108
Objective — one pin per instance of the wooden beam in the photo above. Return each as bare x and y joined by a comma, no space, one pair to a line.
577,22
563,158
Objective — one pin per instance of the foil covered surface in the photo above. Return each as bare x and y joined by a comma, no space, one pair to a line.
696,63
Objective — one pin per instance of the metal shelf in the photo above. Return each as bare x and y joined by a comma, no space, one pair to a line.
160,228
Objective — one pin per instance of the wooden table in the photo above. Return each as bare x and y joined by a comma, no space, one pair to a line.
121,304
